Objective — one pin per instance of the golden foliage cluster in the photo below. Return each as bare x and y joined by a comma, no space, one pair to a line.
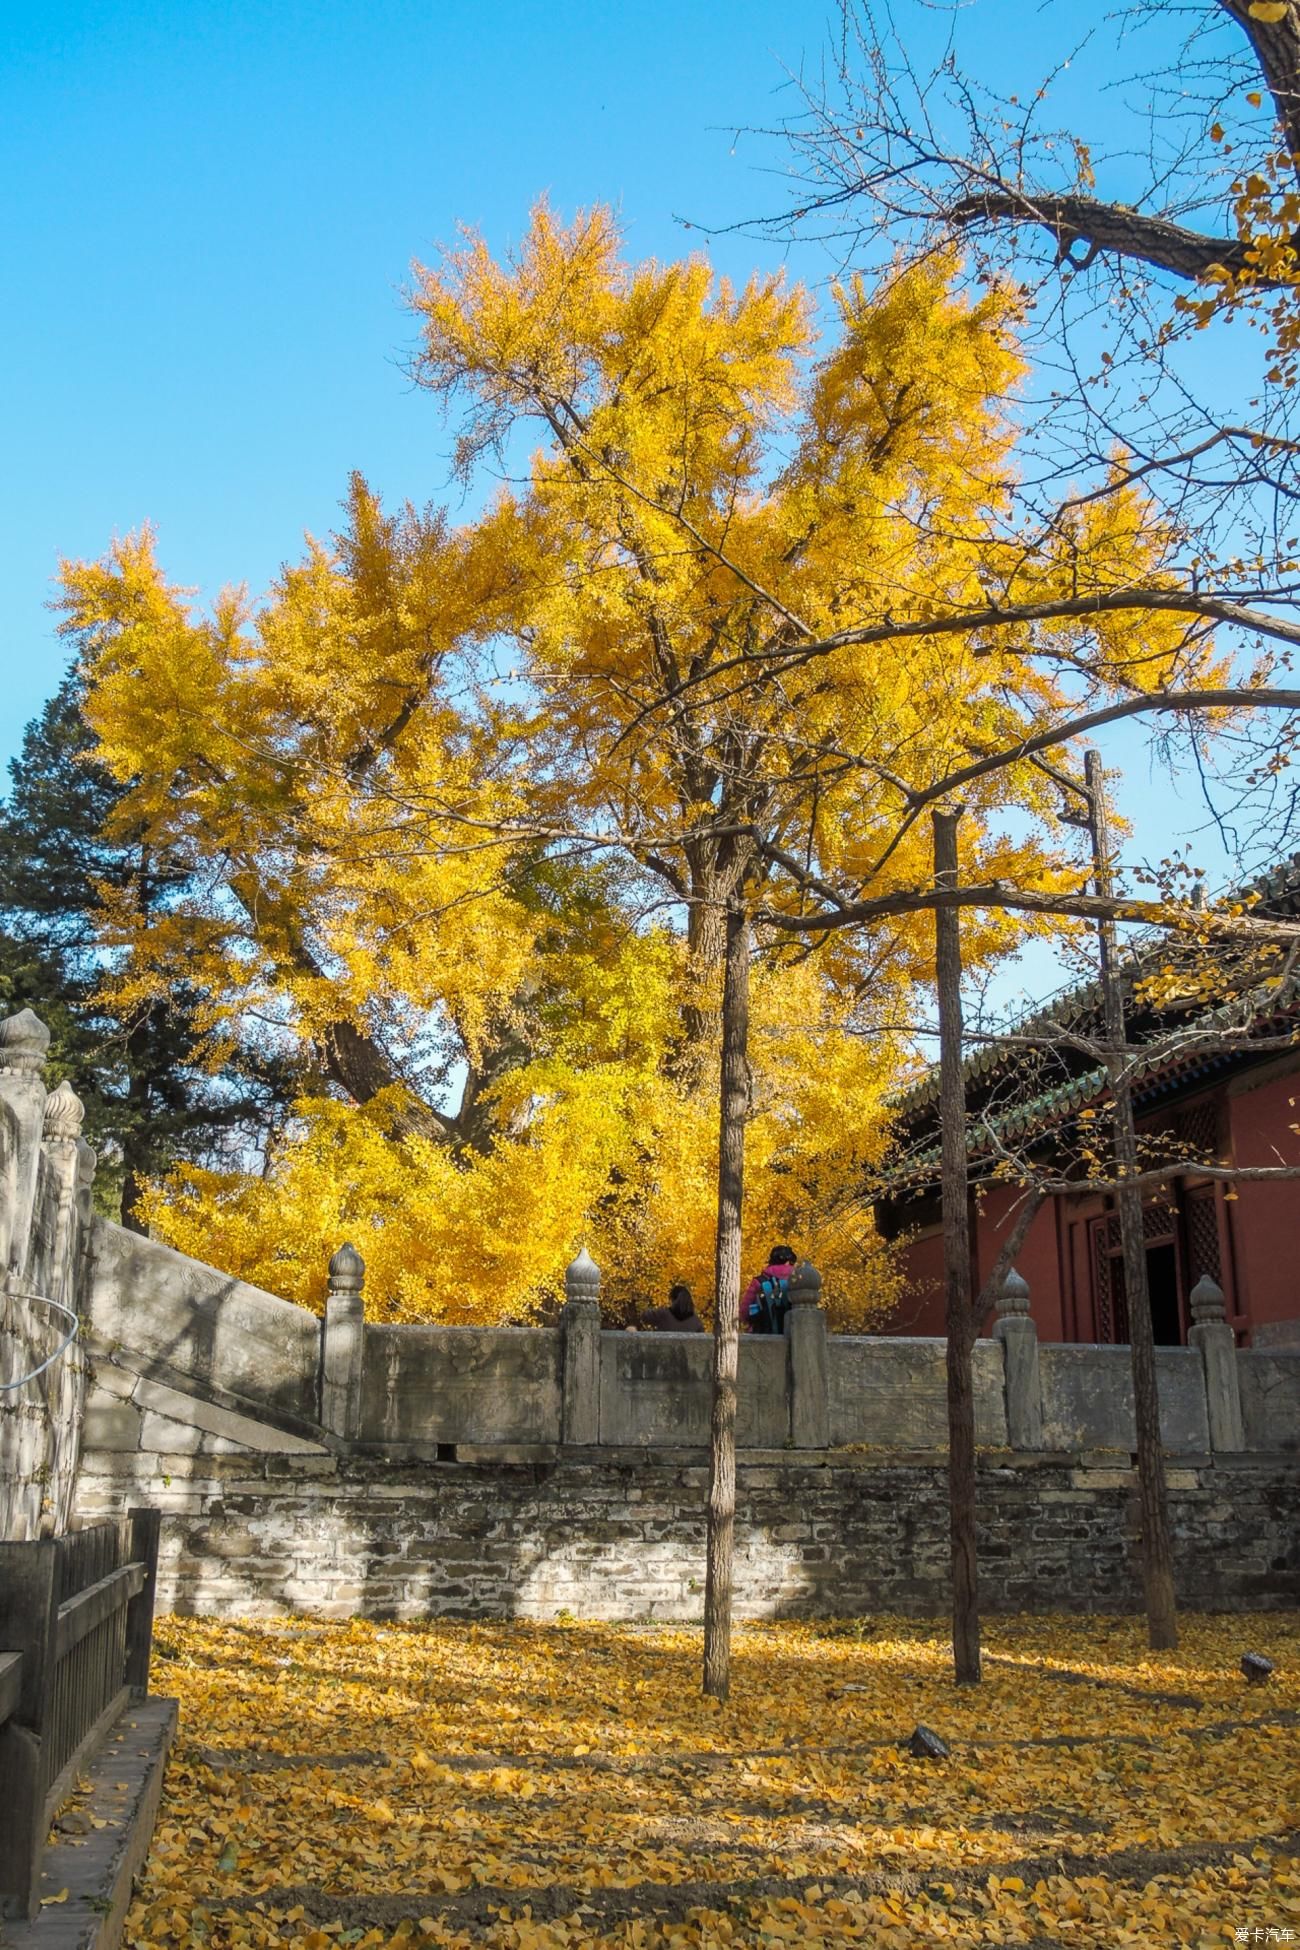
527,1787
616,1151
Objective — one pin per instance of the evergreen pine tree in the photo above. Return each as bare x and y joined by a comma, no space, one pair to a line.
146,1102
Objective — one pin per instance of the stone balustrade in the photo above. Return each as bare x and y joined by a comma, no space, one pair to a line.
190,1360
424,1389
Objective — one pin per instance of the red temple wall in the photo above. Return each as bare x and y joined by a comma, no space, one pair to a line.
922,1310
1037,1262
1263,1234
1265,1218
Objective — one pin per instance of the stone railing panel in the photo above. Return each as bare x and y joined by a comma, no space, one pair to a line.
40,1422
43,1270
655,1389
763,1402
1270,1397
461,1384
893,1393
203,1324
1088,1398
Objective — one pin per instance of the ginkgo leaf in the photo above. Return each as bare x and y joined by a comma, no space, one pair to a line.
1096,1812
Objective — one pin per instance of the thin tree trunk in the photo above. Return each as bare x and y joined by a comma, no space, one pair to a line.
734,1104
706,948
956,1265
1157,1552
135,1146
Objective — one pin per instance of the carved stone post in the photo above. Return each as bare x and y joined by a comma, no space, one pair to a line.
87,1161
1211,1333
24,1039
343,1345
52,1272
580,1326
1019,1337
810,1378
60,1141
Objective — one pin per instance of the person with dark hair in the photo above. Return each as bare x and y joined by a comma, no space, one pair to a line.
766,1300
678,1317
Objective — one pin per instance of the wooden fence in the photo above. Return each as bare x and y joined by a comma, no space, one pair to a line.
76,1624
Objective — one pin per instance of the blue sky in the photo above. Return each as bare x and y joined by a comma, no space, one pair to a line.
212,208
211,213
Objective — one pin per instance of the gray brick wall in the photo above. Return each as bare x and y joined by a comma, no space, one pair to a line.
622,1536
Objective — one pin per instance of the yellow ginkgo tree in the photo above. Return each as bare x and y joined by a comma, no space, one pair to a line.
465,808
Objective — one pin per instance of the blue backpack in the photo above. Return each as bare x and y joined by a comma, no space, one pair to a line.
769,1306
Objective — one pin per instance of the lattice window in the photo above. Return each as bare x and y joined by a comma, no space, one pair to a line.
1110,1310
1203,1254
1197,1128
1157,1222
1110,1305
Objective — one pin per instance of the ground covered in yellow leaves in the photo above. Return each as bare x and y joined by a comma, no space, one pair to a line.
520,1786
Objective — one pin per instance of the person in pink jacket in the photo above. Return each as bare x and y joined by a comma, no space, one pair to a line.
766,1300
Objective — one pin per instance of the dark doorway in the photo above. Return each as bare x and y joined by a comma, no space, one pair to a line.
1162,1287
1166,1310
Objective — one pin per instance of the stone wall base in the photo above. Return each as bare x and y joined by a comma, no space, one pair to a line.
621,1536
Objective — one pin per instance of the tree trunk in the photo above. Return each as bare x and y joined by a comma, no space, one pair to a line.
734,1105
1276,44
356,1062
134,1186
1157,1552
706,947
956,1265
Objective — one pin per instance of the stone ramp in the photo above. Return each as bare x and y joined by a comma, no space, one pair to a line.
138,1404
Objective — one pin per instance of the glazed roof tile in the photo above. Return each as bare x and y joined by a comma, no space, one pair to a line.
1078,1001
